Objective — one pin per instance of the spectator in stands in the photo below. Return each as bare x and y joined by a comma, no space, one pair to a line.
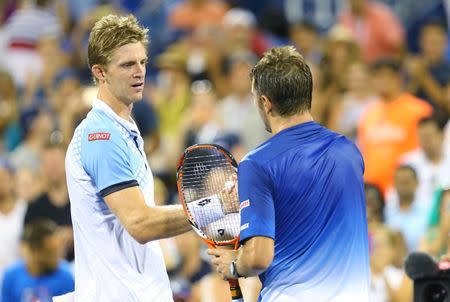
323,13
12,212
189,14
24,28
41,275
437,241
374,207
53,203
407,214
27,184
430,71
9,104
236,111
368,20
340,51
37,126
346,112
38,90
241,34
431,160
200,124
388,282
65,84
306,38
145,116
170,96
388,128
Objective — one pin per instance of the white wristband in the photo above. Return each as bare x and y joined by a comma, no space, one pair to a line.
206,210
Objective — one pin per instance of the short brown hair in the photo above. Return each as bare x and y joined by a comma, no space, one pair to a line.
284,77
112,32
37,230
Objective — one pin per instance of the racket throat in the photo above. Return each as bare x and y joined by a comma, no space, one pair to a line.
235,289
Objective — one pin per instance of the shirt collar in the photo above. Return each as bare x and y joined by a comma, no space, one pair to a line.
102,106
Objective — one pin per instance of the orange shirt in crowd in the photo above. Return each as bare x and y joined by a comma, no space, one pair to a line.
378,31
187,16
385,132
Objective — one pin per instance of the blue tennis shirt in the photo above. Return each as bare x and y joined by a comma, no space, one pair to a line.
304,188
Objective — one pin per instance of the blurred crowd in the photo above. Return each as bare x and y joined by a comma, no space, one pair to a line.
381,77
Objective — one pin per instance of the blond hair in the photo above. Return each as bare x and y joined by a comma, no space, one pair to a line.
112,32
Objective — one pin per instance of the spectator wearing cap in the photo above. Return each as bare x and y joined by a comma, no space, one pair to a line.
375,28
388,127
37,126
241,32
12,212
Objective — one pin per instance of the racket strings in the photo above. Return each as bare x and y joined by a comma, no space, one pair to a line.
209,178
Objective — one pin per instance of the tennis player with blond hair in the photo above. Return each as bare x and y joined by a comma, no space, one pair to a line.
115,221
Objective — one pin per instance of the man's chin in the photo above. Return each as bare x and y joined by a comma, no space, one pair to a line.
136,97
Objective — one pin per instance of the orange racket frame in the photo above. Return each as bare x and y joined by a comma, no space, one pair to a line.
236,293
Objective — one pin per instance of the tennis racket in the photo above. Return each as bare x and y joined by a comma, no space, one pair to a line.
207,186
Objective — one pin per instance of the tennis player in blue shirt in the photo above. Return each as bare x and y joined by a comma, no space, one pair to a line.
303,220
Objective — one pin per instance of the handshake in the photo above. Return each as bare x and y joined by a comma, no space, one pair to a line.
214,207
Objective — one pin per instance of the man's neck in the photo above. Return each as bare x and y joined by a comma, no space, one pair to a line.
57,193
392,96
406,202
121,109
279,123
7,204
33,269
435,158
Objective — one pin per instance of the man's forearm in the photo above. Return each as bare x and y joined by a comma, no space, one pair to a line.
245,264
433,89
161,222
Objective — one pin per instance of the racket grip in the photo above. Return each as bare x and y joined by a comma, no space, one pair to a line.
235,289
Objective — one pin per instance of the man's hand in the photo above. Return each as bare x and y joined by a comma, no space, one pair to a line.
229,196
222,260
416,67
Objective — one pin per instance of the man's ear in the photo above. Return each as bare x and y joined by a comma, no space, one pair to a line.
267,104
99,73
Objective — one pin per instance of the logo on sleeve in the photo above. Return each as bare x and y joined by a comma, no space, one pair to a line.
245,226
244,204
99,136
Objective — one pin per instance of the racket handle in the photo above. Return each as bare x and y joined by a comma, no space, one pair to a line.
235,289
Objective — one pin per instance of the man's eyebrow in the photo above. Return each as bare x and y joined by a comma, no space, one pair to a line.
133,61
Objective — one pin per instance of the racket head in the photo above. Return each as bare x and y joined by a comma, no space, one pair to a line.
206,170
